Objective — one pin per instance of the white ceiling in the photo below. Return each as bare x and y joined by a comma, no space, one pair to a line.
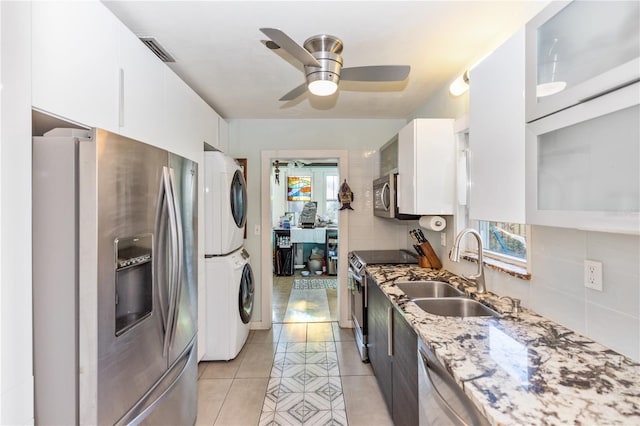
219,51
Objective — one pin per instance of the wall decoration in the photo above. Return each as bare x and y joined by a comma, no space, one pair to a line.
276,171
299,188
345,196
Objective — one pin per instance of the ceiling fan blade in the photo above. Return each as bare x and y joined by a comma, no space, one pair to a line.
291,95
376,73
285,42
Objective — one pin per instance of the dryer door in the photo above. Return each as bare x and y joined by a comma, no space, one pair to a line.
245,295
238,200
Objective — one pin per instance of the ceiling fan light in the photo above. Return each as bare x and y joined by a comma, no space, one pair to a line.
323,87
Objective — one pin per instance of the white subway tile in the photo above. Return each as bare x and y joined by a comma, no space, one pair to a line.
616,330
558,306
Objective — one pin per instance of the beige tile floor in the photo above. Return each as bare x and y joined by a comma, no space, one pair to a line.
282,292
293,374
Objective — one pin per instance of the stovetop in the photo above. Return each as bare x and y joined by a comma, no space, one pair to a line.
377,257
359,259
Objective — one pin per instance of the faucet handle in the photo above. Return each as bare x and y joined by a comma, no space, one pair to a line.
515,305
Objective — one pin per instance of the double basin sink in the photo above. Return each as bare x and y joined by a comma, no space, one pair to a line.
440,298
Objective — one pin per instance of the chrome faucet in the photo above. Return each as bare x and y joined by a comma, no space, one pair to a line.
454,256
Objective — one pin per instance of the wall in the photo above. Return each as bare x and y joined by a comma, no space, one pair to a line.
362,138
16,379
556,289
441,104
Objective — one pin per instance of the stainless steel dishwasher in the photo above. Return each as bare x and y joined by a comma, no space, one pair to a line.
442,401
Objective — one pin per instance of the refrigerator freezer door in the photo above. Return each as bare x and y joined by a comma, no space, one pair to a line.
173,400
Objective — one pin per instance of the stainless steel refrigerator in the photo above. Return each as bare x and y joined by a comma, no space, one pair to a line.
114,281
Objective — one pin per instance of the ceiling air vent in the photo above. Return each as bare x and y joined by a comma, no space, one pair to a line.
158,50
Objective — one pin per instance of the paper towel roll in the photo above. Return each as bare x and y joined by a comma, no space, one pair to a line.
433,223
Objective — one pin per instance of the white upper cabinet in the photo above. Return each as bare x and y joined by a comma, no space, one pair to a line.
497,134
580,50
583,165
193,119
88,67
223,135
141,89
426,167
74,59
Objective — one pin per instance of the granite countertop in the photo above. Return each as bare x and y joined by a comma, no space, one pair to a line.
525,369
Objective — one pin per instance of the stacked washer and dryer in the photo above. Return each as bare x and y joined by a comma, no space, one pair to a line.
229,279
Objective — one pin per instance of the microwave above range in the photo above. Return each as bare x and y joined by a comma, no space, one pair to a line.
385,198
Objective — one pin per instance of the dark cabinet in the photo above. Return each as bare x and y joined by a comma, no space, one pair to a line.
405,372
378,316
283,253
332,251
393,348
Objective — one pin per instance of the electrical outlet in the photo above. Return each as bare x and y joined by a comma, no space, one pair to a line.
256,230
443,239
593,274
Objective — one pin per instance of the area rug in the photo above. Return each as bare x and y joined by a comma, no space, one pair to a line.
308,305
314,283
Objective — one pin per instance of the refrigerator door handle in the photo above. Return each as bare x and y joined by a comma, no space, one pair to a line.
160,258
167,205
178,255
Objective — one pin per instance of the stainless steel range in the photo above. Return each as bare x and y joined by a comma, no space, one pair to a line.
358,286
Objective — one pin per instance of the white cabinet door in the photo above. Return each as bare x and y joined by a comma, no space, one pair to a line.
426,167
223,135
74,56
208,122
141,91
579,50
191,119
583,165
497,134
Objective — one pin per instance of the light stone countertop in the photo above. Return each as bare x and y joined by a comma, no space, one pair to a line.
525,369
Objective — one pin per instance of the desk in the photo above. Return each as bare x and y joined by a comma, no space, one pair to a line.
288,256
308,235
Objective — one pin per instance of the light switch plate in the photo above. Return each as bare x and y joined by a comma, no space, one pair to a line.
593,274
443,239
256,230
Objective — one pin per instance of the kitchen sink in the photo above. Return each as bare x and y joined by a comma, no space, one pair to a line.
455,307
415,289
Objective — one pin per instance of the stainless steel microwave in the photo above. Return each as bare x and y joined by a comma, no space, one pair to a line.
385,198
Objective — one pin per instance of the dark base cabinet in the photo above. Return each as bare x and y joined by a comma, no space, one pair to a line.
405,372
378,340
283,253
393,348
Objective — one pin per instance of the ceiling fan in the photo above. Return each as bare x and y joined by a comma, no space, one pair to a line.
323,64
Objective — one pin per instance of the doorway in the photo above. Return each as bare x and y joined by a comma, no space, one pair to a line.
291,290
305,252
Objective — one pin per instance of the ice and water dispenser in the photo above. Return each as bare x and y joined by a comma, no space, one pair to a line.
134,280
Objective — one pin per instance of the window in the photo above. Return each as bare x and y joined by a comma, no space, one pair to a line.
332,187
504,240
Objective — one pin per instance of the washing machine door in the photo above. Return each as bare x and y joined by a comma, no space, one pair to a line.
245,297
238,197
